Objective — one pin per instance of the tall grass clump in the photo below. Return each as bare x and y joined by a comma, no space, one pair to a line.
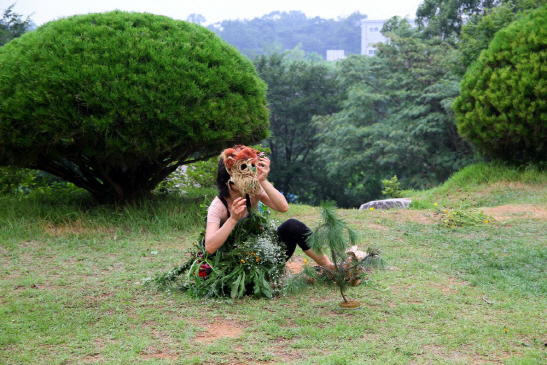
31,218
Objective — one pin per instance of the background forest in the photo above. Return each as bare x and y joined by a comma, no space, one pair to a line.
338,129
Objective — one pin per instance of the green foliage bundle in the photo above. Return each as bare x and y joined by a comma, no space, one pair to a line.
502,108
250,262
115,102
392,188
462,215
396,118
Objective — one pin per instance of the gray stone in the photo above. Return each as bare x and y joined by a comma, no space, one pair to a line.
387,204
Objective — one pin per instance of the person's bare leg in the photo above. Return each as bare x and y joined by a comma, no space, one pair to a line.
322,260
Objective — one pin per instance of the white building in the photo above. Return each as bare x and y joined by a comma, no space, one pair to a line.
335,54
370,35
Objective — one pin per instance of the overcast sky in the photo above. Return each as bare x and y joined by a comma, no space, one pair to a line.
213,10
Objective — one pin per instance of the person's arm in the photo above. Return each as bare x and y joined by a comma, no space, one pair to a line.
215,235
273,198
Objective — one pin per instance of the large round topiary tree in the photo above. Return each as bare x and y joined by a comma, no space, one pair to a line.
502,107
115,102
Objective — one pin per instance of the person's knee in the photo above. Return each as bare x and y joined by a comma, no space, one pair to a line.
294,226
287,227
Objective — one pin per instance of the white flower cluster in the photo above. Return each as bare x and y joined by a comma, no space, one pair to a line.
268,245
270,251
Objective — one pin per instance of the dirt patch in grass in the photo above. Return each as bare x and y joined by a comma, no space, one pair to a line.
296,266
435,353
287,355
26,244
505,212
91,359
219,328
376,227
415,216
159,355
74,228
457,282
101,343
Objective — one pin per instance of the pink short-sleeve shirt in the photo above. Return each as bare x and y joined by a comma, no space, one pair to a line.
217,211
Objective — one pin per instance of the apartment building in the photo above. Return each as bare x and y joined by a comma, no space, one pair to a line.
370,35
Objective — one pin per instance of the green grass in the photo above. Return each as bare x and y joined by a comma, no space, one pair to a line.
486,185
71,293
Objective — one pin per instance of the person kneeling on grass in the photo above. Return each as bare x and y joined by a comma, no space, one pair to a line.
241,252
242,183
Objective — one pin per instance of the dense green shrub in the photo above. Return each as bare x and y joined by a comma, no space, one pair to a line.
502,108
115,102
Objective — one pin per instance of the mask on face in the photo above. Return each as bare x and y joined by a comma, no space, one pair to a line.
240,164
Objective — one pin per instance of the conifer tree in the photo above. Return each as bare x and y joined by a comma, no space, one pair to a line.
115,102
502,107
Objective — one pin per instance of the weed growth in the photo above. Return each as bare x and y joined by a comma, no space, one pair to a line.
460,214
392,188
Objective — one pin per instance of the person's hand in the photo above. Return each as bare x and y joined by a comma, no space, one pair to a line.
238,209
263,168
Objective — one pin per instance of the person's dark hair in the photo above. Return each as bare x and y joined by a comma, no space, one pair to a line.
222,178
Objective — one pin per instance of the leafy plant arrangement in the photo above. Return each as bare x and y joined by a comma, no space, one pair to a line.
251,262
336,237
392,188
461,216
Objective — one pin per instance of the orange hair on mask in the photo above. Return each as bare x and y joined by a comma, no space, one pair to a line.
239,152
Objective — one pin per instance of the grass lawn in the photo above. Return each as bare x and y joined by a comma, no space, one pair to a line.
71,292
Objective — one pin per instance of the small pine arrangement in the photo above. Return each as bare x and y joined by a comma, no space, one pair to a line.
334,236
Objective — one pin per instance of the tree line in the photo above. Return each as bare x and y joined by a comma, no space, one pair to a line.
281,31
